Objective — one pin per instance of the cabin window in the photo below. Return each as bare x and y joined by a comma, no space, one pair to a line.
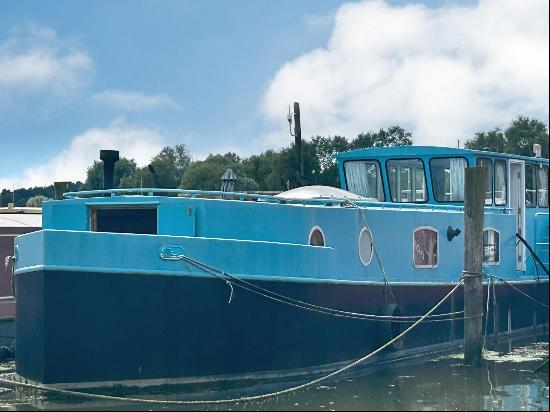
365,246
500,182
491,247
363,178
316,237
488,163
542,186
425,247
407,180
448,178
142,220
530,185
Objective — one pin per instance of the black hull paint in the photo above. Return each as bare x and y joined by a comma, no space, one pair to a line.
75,327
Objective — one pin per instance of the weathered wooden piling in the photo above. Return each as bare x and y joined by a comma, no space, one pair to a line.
474,201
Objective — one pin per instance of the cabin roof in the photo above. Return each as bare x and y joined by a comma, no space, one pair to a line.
426,151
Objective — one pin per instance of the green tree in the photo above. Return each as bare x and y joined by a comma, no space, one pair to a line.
491,141
325,150
124,176
36,201
168,166
393,136
206,174
518,138
259,167
284,172
523,133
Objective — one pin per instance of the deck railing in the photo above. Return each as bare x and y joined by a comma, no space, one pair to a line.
259,197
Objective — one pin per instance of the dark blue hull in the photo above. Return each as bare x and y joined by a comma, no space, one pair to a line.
81,327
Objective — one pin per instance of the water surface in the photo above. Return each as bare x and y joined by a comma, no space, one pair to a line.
505,381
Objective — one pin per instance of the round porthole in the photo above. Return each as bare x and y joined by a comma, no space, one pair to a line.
316,237
365,246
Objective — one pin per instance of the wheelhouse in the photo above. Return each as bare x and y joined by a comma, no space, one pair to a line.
434,175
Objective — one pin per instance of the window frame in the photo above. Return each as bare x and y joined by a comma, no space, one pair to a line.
483,246
432,176
433,229
492,174
542,166
535,166
379,169
365,229
93,208
505,181
425,179
313,229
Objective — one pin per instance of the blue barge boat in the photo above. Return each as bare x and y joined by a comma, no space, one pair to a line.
156,286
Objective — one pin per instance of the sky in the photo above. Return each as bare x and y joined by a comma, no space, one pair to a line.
218,75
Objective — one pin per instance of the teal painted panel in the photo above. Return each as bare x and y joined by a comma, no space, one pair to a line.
176,219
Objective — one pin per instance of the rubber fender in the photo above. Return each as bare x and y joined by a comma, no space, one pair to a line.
389,330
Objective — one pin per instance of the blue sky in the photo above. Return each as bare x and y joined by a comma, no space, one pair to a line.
217,75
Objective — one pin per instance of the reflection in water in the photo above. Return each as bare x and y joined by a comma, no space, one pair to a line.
505,381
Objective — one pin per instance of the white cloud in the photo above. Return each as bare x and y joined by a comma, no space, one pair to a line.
443,73
35,60
133,101
137,143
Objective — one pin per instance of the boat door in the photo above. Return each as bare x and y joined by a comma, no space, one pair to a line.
517,206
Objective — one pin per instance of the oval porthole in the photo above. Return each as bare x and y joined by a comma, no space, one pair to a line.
316,237
365,246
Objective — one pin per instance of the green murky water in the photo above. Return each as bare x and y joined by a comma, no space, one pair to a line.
505,381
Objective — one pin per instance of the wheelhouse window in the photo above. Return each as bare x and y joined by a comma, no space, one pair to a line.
448,178
363,178
425,247
488,163
530,185
407,180
500,182
491,247
542,185
142,220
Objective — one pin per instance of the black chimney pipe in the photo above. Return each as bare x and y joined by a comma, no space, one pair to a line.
109,157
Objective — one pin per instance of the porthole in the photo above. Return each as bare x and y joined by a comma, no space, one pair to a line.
491,247
425,247
364,246
316,237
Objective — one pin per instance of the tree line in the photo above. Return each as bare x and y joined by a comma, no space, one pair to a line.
275,170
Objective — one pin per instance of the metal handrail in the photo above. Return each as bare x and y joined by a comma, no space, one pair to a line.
194,193
322,201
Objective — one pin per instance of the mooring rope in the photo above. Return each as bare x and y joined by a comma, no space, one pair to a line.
517,289
11,383
375,250
298,303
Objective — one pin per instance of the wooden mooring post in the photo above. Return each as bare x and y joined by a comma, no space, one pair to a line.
474,202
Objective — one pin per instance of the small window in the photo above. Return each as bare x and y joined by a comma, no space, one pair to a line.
542,185
488,163
363,178
500,182
141,220
491,247
407,180
425,247
316,237
530,185
365,246
448,178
